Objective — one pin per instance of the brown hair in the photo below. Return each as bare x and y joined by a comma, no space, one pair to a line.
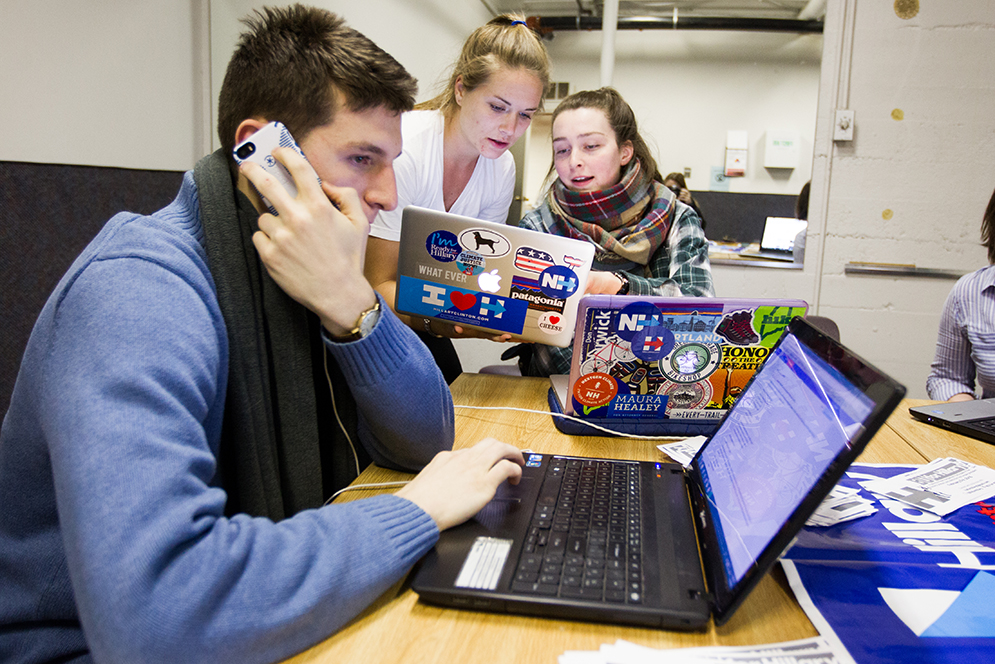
291,62
621,119
988,229
504,41
677,177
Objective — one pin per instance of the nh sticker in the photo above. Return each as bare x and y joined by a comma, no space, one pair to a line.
558,281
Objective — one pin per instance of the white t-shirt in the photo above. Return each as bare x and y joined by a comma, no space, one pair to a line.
418,170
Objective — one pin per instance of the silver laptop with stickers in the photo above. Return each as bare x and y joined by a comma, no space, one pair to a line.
491,277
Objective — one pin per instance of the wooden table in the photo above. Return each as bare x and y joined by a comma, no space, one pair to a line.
399,628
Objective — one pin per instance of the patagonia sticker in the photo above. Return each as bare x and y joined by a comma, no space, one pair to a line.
523,288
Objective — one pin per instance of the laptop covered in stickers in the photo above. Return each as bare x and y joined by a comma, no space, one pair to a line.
665,366
491,277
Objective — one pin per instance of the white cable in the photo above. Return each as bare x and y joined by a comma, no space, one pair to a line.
354,487
331,391
572,419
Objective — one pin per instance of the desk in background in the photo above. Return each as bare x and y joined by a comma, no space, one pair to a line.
398,628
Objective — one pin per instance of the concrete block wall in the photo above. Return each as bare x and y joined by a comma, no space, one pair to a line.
912,186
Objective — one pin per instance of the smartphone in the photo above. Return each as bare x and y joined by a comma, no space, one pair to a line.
259,148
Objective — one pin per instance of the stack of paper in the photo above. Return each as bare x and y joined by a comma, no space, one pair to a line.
940,487
805,651
842,504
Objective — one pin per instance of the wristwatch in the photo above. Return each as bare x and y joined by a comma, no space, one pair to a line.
624,278
364,325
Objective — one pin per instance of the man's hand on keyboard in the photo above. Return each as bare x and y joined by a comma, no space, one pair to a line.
456,485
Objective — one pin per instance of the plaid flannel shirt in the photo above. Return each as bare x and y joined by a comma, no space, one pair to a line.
679,267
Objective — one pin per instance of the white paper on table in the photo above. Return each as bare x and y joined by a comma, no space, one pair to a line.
683,451
940,487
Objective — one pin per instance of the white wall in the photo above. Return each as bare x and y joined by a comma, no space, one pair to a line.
135,84
113,83
423,35
688,88
913,184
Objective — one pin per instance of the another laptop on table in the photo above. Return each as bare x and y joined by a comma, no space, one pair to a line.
618,541
491,277
778,239
974,418
665,366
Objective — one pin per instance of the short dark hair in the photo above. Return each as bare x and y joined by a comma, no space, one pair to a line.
294,64
988,229
801,203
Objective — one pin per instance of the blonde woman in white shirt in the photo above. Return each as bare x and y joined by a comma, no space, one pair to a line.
455,154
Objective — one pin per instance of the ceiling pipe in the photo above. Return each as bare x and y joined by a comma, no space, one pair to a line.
814,9
609,26
547,24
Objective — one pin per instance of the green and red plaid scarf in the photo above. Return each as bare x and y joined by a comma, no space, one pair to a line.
629,219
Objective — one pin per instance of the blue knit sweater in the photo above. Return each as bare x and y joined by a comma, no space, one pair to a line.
113,541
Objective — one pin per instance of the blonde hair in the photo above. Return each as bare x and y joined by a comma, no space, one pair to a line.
504,41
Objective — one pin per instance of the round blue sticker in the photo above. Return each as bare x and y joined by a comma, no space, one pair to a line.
558,281
471,263
443,246
652,343
636,317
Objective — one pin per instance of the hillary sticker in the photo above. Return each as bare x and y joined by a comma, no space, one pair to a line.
652,343
443,246
487,243
460,305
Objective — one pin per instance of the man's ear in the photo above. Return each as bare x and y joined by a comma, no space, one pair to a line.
248,127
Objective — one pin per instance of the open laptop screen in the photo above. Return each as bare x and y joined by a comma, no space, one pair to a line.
779,233
783,445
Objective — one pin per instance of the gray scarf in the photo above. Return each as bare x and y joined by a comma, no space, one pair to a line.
270,459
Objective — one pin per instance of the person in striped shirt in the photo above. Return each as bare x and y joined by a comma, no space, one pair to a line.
965,346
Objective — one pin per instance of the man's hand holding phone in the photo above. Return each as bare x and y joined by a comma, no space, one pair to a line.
314,246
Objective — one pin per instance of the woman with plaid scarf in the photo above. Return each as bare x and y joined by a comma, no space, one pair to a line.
609,191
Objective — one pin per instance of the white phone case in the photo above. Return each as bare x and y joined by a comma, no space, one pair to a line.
259,148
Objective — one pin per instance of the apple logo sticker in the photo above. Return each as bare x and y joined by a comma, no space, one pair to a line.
489,282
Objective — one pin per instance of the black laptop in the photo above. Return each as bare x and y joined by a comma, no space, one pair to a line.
652,543
974,418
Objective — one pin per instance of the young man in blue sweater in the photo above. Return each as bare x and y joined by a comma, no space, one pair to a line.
204,378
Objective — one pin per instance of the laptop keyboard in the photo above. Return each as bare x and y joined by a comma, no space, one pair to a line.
584,538
988,426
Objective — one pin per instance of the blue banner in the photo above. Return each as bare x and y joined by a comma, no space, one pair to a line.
901,585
